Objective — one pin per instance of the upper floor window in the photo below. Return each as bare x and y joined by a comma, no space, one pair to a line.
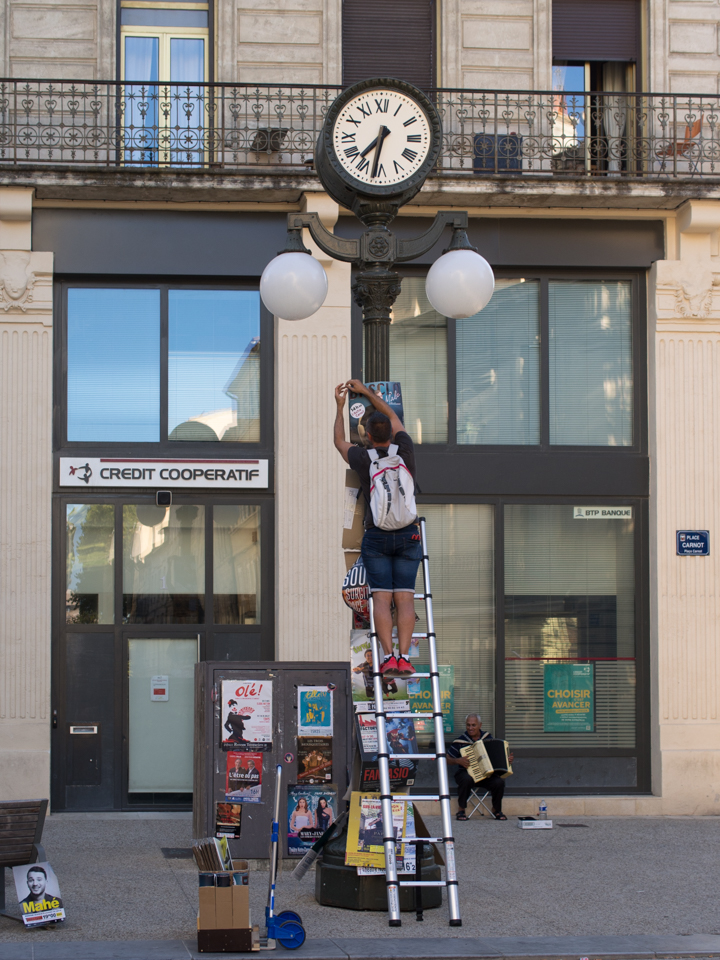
153,364
382,39
547,362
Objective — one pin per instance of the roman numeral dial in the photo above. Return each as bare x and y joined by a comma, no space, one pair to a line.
381,138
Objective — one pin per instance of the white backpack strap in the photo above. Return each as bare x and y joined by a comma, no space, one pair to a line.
393,449
373,454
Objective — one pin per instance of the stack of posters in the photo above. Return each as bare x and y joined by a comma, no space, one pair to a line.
247,715
365,832
311,810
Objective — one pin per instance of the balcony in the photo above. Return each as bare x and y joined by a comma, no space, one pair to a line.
507,140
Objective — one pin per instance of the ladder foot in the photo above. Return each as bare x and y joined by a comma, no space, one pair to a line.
456,923
395,923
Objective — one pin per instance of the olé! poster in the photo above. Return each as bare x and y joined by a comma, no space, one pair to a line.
569,695
38,894
315,712
311,810
314,759
247,714
243,782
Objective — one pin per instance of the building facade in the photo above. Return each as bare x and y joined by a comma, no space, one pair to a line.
567,436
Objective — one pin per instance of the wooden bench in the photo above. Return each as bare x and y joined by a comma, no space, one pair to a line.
21,827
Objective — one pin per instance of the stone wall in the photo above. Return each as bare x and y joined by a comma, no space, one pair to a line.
683,46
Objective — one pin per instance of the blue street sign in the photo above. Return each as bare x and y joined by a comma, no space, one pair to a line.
693,543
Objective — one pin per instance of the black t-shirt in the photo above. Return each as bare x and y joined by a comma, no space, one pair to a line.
359,460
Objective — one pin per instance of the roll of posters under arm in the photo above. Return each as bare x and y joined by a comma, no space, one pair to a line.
569,697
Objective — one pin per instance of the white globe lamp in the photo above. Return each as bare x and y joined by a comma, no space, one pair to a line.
293,286
460,283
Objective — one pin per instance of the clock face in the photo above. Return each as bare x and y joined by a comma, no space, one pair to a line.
382,137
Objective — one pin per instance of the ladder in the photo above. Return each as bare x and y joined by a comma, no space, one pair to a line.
386,798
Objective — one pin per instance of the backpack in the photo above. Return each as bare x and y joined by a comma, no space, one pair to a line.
392,491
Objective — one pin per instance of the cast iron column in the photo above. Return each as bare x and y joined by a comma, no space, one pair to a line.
375,290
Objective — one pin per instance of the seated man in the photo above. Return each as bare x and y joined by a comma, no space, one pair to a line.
494,783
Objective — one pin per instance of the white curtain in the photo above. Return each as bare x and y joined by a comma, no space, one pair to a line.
614,112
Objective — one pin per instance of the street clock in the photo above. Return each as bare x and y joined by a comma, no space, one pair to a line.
380,140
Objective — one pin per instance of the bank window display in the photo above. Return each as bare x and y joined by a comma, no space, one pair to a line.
163,564
569,627
418,359
236,564
90,560
150,365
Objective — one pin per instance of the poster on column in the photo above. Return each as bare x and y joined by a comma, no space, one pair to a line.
311,810
569,696
243,781
360,408
247,715
314,758
363,693
315,712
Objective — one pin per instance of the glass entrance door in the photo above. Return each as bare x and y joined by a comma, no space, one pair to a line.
160,719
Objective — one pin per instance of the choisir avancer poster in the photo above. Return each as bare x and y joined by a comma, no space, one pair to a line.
38,894
247,714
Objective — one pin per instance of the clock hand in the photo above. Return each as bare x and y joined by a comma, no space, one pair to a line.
381,140
369,147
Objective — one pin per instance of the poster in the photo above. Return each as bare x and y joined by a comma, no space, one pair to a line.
311,810
247,714
401,736
243,782
361,673
38,894
420,696
228,818
314,759
569,697
365,831
315,712
361,409
402,770
407,863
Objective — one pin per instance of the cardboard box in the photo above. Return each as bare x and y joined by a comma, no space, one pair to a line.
350,557
206,914
529,823
354,513
240,906
224,908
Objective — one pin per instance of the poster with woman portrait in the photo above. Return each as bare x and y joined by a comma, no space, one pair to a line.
311,810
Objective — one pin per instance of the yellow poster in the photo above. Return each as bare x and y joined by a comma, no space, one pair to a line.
365,830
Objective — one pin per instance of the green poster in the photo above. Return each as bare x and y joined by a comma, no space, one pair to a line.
420,697
569,690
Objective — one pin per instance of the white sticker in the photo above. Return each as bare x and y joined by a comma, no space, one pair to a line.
351,498
159,687
357,410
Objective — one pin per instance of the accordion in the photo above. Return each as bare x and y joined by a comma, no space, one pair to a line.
487,757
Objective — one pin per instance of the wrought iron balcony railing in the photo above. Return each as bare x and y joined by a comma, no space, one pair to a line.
267,129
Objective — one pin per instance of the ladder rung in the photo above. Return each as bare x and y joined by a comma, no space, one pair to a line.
411,799
420,635
421,596
409,715
413,756
413,676
422,883
418,839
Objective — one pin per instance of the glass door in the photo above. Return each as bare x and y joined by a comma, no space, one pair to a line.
160,719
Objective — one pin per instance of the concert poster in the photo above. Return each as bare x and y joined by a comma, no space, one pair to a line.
407,863
311,810
243,781
365,831
38,894
247,715
361,672
401,736
315,712
360,407
228,817
314,759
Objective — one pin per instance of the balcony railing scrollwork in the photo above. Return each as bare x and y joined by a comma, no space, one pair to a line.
267,129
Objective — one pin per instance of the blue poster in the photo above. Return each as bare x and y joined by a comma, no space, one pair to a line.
315,708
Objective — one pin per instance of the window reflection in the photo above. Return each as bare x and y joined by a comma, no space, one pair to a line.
163,564
236,564
90,558
214,365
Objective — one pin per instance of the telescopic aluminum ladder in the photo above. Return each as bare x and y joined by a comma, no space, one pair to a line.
386,798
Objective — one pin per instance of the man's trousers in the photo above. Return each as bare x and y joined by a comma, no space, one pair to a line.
494,783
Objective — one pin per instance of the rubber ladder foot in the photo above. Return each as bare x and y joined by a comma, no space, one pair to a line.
456,923
395,923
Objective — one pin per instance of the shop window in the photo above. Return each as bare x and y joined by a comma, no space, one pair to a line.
119,343
163,564
569,629
418,359
89,566
591,385
498,368
214,365
460,547
236,564
113,365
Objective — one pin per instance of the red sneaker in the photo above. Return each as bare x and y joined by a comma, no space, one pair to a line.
389,667
405,668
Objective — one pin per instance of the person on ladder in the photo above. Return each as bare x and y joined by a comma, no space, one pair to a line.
391,553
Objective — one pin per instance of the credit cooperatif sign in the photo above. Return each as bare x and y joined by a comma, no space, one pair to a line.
139,472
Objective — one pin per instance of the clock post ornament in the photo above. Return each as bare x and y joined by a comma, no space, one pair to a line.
380,140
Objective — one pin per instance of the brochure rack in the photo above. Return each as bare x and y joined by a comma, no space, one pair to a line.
386,798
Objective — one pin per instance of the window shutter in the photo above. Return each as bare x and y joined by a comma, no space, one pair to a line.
596,30
389,38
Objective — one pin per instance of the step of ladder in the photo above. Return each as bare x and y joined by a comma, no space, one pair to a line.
392,882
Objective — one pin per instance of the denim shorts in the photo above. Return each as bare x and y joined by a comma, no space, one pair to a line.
392,558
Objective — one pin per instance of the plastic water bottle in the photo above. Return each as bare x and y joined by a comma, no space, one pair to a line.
542,810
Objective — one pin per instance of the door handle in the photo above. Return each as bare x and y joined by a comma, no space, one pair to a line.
54,719
198,648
